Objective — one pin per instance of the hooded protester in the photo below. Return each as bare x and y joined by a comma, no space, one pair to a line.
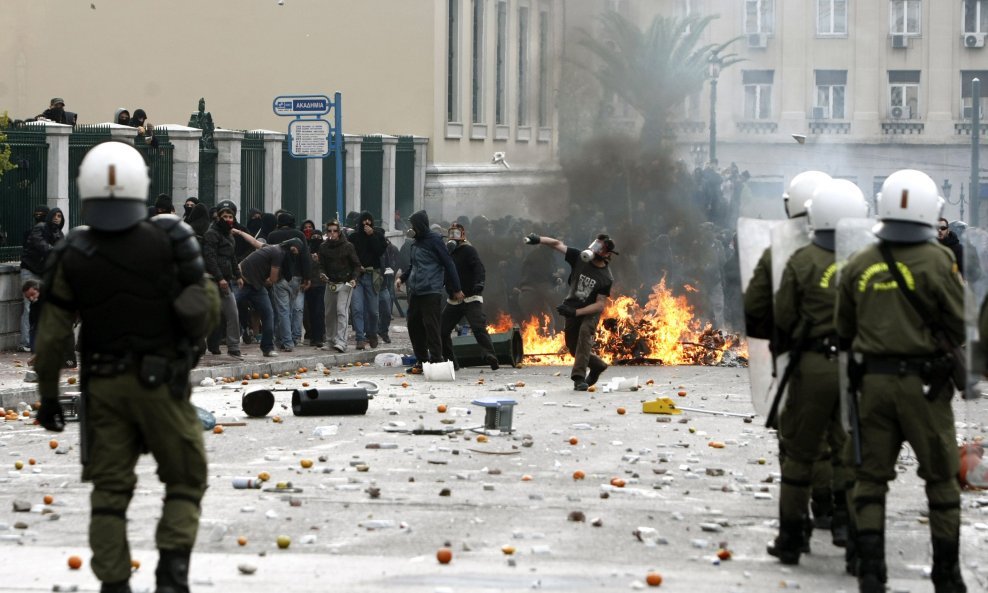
314,313
472,277
308,227
339,264
368,240
163,205
32,265
199,220
268,223
221,263
287,293
121,116
253,223
139,119
56,112
190,202
430,270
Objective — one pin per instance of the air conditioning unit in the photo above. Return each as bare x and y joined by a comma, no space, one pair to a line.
974,40
819,113
900,42
900,112
757,40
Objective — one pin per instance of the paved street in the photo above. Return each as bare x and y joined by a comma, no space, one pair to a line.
377,503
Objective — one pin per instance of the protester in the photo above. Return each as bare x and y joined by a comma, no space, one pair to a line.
340,266
368,241
471,272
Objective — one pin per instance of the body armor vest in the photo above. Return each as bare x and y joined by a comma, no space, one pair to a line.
124,284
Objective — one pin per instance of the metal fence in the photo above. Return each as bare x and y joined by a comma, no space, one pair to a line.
159,154
82,139
207,174
372,177
23,188
405,176
329,187
251,174
293,184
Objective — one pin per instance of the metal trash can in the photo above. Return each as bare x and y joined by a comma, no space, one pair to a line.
507,347
330,401
257,403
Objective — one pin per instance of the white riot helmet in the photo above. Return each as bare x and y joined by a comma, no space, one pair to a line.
908,207
800,190
832,201
113,187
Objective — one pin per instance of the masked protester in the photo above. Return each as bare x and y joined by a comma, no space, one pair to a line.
340,268
221,264
590,284
56,112
368,240
425,279
314,315
33,253
472,277
137,346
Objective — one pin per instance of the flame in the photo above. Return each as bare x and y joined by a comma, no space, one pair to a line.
664,330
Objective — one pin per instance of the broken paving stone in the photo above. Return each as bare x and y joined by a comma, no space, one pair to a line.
445,492
20,525
597,522
714,471
711,527
21,506
374,492
246,568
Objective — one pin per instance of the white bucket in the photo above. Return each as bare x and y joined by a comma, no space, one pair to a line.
438,371
622,383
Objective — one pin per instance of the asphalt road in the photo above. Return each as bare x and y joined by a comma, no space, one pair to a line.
377,503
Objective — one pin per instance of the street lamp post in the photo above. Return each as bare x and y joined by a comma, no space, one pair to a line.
975,193
946,187
715,63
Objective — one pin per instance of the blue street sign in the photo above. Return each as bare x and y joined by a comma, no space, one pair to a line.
297,105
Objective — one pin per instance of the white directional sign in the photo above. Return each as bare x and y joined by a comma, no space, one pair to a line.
309,138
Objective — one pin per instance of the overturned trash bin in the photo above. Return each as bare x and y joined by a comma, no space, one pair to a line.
330,401
257,403
507,347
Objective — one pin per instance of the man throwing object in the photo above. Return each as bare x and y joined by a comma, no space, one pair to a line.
590,282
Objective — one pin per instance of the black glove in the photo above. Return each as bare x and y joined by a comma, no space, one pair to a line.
50,415
533,239
566,310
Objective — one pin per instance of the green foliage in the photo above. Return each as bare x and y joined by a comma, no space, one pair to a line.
654,70
5,164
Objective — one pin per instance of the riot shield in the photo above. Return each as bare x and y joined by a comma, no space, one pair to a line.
975,269
852,235
754,238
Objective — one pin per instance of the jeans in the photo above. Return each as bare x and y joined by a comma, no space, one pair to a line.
283,296
261,301
337,305
384,300
474,313
366,309
25,339
315,303
579,336
231,323
298,310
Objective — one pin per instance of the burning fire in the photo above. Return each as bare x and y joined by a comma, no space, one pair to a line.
662,331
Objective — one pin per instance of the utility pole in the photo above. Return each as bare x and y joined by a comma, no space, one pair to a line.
975,150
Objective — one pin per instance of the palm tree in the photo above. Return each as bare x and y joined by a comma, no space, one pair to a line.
657,69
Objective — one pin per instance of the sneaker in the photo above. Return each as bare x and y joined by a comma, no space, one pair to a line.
28,348
248,337
340,349
580,386
594,374
315,344
372,340
271,354
214,351
235,354
492,360
361,345
385,338
288,349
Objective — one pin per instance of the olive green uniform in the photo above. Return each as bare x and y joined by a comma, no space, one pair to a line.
809,424
893,407
125,417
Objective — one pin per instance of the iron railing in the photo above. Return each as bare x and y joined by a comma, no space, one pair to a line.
251,174
372,176
404,177
293,184
23,188
329,204
82,139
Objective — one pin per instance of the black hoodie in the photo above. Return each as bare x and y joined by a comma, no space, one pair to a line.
371,247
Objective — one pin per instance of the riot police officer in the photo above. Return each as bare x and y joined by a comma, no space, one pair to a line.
905,392
139,289
810,420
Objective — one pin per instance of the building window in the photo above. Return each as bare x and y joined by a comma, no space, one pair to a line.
478,62
831,17
523,45
966,96
759,16
544,74
453,63
757,93
830,92
976,16
905,17
501,68
904,94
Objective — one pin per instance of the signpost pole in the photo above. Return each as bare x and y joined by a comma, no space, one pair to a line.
338,146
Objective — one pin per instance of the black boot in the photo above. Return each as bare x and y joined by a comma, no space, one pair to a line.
807,533
839,521
872,573
121,587
822,507
851,553
789,544
946,574
172,574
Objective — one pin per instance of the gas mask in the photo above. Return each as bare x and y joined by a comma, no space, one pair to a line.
451,245
455,234
601,246
410,233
